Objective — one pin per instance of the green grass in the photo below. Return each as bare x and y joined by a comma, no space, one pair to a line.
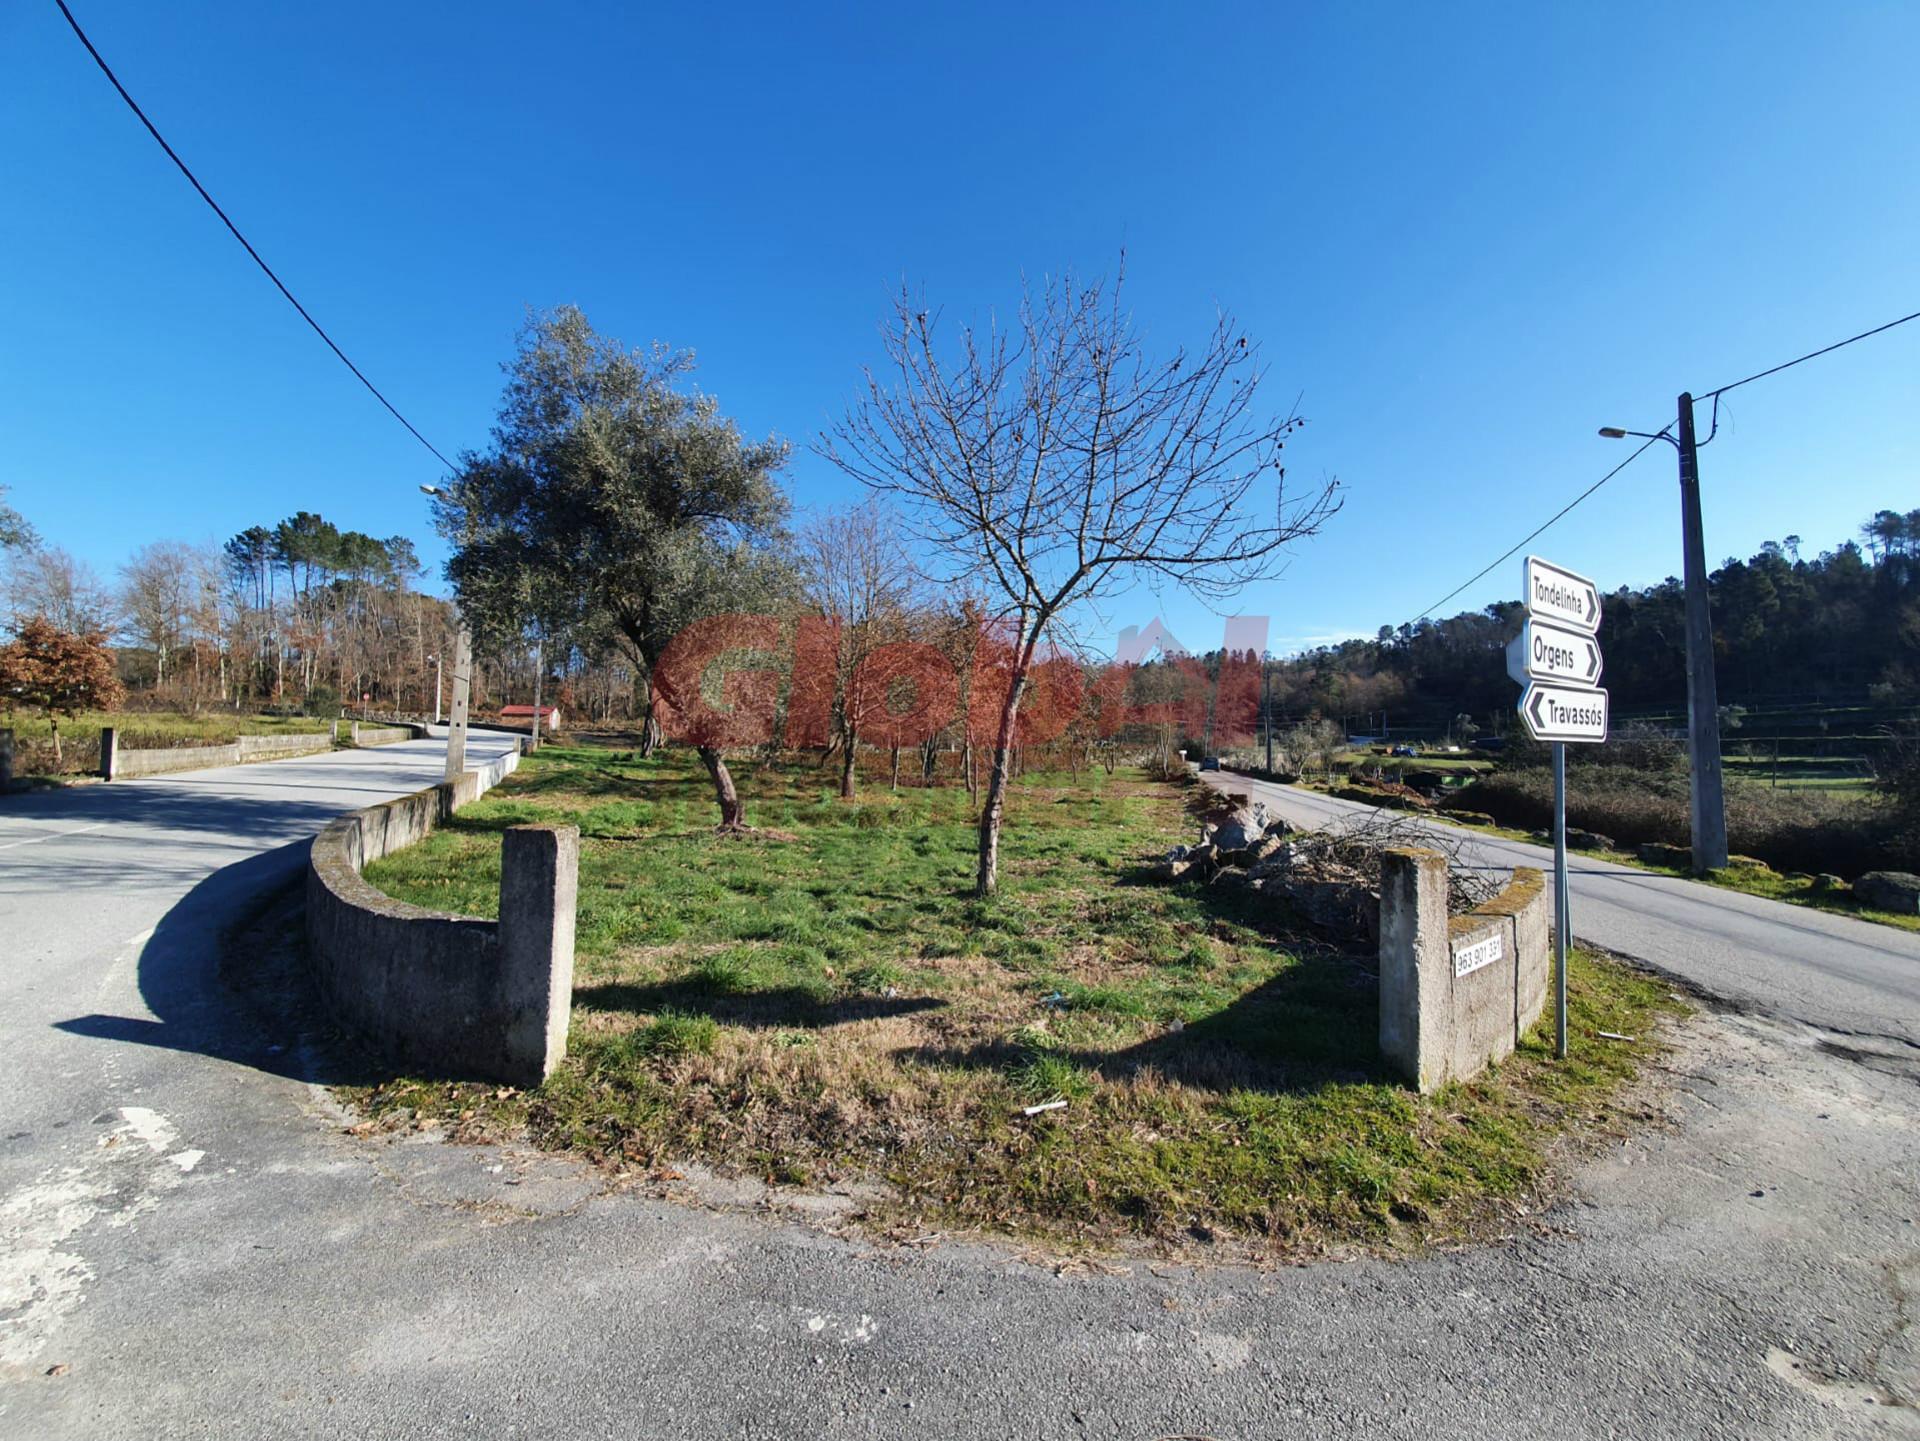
1777,887
828,1002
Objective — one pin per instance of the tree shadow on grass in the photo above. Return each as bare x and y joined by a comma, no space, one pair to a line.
1312,1026
774,1008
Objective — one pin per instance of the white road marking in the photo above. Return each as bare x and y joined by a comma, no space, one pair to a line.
57,835
143,937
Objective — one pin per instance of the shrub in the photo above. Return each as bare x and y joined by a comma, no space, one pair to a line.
1789,830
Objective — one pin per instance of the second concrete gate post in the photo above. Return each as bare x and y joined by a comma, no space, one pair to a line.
539,886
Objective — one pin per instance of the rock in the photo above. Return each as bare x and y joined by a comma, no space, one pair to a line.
1178,853
1747,863
1280,826
1264,847
1896,891
1471,818
1171,870
1800,877
1277,862
1580,840
1241,828
1826,881
1659,853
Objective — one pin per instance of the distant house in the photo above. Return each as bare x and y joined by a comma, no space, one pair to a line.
523,714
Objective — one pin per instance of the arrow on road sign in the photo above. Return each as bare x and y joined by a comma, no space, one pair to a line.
1574,714
1560,595
1553,653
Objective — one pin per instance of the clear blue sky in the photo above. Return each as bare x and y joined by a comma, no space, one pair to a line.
1467,235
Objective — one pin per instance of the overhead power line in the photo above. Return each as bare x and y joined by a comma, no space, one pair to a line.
214,205
1810,355
1530,535
1713,395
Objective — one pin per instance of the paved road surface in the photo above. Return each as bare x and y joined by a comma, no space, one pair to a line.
1832,971
191,1245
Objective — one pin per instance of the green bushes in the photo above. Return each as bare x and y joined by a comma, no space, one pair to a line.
1789,830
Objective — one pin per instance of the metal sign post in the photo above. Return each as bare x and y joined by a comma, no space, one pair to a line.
1557,658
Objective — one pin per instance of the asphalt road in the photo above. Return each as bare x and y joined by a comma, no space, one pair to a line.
1841,974
192,1244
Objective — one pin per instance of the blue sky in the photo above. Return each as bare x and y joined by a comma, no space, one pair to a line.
1465,235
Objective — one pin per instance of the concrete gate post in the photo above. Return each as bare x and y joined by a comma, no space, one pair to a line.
539,886
1415,965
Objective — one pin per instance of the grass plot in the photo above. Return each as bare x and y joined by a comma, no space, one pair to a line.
827,1003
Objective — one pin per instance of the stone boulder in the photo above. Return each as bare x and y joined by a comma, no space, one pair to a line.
1896,891
1579,840
1240,828
1747,863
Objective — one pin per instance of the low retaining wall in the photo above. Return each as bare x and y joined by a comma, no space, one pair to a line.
440,993
387,735
1457,992
119,763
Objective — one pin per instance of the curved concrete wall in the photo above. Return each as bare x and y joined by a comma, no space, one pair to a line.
435,992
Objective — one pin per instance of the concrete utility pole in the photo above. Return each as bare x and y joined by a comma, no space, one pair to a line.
1703,696
539,664
1266,704
462,692
1708,791
437,687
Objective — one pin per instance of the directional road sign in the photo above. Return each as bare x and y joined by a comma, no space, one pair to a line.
1561,596
1543,651
1573,714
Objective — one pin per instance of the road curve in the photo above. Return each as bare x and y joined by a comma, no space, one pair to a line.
191,1245
1830,971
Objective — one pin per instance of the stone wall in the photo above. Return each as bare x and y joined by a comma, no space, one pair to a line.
438,993
119,763
1457,992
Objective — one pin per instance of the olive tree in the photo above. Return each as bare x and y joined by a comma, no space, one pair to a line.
1053,462
615,502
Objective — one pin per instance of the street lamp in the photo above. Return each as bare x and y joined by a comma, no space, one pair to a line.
1709,807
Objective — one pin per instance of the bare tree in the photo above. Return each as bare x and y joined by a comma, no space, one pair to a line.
1053,463
47,581
856,574
161,591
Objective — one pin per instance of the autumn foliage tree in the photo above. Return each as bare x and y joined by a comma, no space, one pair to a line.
57,672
